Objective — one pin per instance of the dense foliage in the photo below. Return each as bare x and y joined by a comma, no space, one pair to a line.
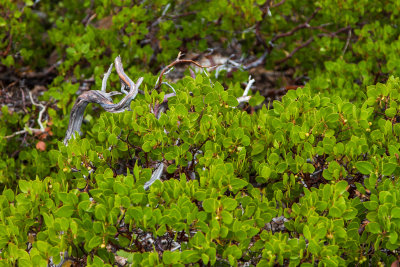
310,179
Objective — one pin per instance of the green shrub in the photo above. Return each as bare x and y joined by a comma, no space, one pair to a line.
322,161
307,159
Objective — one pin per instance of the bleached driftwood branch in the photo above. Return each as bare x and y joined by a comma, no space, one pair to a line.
102,98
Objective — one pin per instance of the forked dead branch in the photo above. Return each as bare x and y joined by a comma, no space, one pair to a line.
103,99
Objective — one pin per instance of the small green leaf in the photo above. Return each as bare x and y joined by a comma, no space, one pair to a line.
306,232
281,168
136,170
200,195
364,167
388,168
170,257
24,186
232,101
100,212
210,205
393,236
64,211
395,213
42,246
9,195
171,168
74,227
237,183
112,139
257,149
313,246
226,217
210,98
170,155
266,172
235,251
136,197
373,227
181,110
190,256
335,212
371,205
229,204
308,168
205,258
391,112
95,241
341,187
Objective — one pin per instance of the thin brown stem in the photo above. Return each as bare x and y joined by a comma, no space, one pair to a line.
297,28
306,43
178,61
309,41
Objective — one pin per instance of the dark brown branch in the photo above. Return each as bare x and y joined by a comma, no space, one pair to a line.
306,43
279,4
309,41
297,28
333,34
178,61
347,43
268,47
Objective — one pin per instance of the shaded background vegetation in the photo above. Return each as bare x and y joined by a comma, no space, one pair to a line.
59,49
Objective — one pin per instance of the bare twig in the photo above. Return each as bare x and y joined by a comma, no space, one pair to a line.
270,45
297,28
291,32
23,100
105,78
155,23
279,3
92,17
173,89
205,73
14,134
248,86
178,61
333,34
243,99
39,121
43,109
347,43
256,63
155,176
306,43
309,41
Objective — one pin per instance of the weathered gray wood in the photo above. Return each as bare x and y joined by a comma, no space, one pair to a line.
102,98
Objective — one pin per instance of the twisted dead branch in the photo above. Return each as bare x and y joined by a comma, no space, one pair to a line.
103,99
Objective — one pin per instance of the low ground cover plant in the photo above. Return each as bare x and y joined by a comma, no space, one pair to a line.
238,176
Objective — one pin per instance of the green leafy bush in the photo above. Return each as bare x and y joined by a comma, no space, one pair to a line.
311,179
240,185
